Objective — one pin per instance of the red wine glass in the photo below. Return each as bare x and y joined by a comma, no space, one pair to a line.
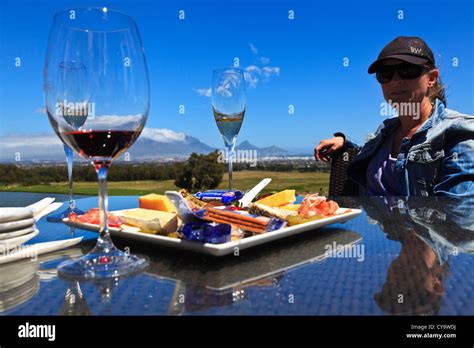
106,118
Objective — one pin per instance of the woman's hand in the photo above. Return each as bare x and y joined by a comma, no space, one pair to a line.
326,147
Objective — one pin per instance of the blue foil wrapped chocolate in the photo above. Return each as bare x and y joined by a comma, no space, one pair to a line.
205,232
224,196
275,224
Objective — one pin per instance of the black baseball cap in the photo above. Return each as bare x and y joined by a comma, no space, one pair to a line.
410,49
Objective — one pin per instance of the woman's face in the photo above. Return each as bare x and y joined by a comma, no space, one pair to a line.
408,90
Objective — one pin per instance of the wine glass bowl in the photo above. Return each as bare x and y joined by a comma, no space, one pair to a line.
97,101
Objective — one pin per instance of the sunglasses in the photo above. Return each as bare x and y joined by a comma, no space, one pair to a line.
405,71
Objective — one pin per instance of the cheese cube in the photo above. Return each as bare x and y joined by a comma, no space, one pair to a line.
156,202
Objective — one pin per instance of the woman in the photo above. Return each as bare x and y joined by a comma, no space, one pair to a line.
426,150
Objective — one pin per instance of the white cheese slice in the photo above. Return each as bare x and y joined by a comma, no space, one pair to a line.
150,221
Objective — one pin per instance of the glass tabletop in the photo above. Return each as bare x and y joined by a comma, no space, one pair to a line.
411,256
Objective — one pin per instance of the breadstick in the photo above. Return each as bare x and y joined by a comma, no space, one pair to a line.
261,220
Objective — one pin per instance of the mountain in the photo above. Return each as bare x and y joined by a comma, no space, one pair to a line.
153,144
271,151
148,149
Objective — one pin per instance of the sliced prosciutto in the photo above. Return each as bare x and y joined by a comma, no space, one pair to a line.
92,217
313,204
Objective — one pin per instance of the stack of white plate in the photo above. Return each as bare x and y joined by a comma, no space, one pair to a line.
17,226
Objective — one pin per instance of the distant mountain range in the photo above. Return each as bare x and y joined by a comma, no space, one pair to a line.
270,151
150,149
153,144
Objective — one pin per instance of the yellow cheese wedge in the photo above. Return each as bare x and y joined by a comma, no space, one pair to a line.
151,221
292,207
156,202
280,198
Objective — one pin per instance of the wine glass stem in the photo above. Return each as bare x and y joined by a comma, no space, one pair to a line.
104,242
230,150
69,159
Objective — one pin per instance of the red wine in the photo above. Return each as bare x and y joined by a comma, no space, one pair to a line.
100,144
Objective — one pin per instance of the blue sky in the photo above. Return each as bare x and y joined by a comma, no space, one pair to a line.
300,62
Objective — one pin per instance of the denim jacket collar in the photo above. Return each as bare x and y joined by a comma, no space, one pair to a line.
436,116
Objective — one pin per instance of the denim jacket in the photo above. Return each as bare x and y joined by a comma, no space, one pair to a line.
437,160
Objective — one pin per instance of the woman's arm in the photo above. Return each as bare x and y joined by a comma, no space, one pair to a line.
347,141
327,148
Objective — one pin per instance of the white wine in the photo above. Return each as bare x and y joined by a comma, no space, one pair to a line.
229,125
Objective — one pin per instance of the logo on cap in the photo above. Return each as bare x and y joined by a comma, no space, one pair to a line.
415,50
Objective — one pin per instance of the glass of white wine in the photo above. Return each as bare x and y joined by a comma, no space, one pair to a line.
228,106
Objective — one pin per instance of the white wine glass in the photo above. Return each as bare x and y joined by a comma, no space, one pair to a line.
228,106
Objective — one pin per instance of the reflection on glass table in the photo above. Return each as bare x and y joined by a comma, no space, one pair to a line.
20,280
417,259
431,232
202,283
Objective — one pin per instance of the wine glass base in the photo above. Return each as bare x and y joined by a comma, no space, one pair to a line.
101,265
64,214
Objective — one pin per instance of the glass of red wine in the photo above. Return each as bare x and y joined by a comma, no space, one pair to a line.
102,118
